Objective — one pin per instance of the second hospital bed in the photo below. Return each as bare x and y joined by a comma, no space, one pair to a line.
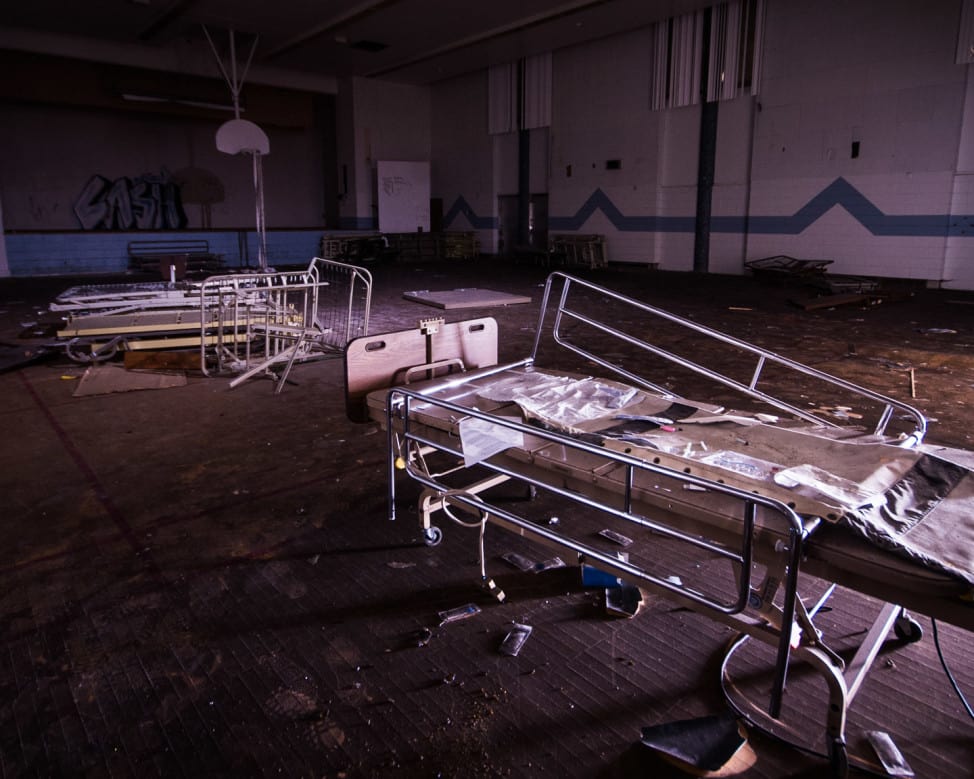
818,477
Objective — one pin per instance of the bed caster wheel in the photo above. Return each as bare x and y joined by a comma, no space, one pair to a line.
907,629
432,536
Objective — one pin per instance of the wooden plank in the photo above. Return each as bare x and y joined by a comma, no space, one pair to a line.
830,301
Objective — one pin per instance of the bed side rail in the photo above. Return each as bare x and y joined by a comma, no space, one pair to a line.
239,311
289,315
573,309
409,444
344,302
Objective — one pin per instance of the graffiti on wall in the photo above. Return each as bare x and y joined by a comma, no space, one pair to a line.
148,202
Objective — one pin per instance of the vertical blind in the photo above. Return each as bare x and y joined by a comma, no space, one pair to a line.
733,55
519,95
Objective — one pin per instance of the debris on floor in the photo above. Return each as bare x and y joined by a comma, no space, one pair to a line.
458,613
833,301
515,639
106,378
422,637
174,360
518,561
623,601
781,266
13,357
705,746
596,577
617,538
888,754
547,565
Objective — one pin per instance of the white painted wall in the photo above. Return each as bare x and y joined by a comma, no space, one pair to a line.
958,270
388,122
462,152
880,72
877,72
601,112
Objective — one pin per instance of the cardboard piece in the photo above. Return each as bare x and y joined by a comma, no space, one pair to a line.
108,378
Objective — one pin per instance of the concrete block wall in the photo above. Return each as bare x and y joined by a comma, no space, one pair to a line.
462,157
382,121
877,73
600,112
856,142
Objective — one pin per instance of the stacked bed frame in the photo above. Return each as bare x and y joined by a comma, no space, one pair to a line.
241,323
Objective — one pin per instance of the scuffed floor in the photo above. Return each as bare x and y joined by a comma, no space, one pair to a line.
199,581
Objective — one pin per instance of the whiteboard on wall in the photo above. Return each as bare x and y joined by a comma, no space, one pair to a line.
404,196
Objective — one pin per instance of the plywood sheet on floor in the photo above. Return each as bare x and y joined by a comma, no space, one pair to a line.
465,298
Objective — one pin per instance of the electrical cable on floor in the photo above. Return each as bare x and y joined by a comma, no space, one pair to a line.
950,676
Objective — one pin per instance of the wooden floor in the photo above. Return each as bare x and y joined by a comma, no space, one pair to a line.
199,581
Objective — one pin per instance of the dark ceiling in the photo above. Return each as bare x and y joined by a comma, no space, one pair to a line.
315,42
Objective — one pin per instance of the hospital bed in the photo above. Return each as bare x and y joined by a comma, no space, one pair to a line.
784,479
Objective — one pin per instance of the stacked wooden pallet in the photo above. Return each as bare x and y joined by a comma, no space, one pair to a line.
578,251
415,247
460,246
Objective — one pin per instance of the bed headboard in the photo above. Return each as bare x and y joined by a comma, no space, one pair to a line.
385,360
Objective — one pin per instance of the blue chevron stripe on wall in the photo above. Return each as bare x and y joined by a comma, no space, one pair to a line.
839,193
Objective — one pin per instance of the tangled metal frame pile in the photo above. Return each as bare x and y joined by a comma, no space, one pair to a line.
242,323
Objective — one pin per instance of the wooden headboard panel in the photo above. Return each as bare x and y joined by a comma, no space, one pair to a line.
381,361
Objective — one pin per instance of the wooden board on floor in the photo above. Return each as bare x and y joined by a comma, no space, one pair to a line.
465,298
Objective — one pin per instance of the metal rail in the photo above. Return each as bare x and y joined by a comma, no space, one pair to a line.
264,319
568,291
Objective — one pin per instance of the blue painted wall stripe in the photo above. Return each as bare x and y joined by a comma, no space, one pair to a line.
461,206
839,193
101,251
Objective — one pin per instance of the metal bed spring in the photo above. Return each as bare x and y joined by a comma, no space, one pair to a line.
566,312
268,318
120,298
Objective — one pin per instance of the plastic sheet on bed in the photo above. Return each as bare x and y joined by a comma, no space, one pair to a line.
480,439
562,401
926,515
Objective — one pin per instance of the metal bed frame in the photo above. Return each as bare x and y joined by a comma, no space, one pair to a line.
422,403
265,319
